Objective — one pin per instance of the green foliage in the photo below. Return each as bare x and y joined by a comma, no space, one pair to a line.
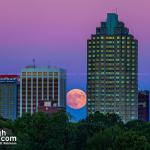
131,141
104,140
41,131
115,138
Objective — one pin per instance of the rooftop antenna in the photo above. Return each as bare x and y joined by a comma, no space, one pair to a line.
34,63
48,64
116,11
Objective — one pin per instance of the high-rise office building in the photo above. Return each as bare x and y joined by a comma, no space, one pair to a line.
41,84
8,96
112,66
143,105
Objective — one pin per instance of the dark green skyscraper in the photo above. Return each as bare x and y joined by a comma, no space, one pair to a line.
112,67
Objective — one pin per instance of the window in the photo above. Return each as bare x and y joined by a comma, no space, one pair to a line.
45,73
34,73
23,73
39,73
29,73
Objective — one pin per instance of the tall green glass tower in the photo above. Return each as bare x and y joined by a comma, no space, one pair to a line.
112,67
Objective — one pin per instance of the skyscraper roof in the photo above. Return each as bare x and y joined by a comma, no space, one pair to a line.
112,26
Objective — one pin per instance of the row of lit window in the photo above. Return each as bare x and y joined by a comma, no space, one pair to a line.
105,62
111,50
106,81
112,77
118,58
111,37
40,73
104,97
116,99
114,64
97,77
109,70
111,104
113,57
111,42
114,67
117,88
117,73
112,47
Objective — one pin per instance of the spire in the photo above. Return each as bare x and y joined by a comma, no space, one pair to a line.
112,21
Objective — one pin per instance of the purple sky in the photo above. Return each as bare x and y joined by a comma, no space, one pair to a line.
55,32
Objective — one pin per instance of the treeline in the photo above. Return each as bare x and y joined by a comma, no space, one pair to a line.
97,132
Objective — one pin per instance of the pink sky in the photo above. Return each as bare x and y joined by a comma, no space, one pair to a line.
55,32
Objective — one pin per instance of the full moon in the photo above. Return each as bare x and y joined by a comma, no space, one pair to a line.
76,99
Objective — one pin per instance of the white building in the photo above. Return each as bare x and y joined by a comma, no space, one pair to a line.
38,83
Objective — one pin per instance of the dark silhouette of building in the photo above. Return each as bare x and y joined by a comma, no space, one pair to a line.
143,105
45,106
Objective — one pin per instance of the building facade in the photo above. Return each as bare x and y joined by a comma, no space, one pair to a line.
46,84
8,96
46,107
112,66
143,105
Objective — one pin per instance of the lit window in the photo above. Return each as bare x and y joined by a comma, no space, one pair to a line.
29,73
34,73
45,73
39,73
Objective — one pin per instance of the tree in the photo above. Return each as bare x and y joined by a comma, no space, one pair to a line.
104,140
41,131
116,138
131,141
140,127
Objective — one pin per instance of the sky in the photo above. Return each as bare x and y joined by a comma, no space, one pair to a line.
55,33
